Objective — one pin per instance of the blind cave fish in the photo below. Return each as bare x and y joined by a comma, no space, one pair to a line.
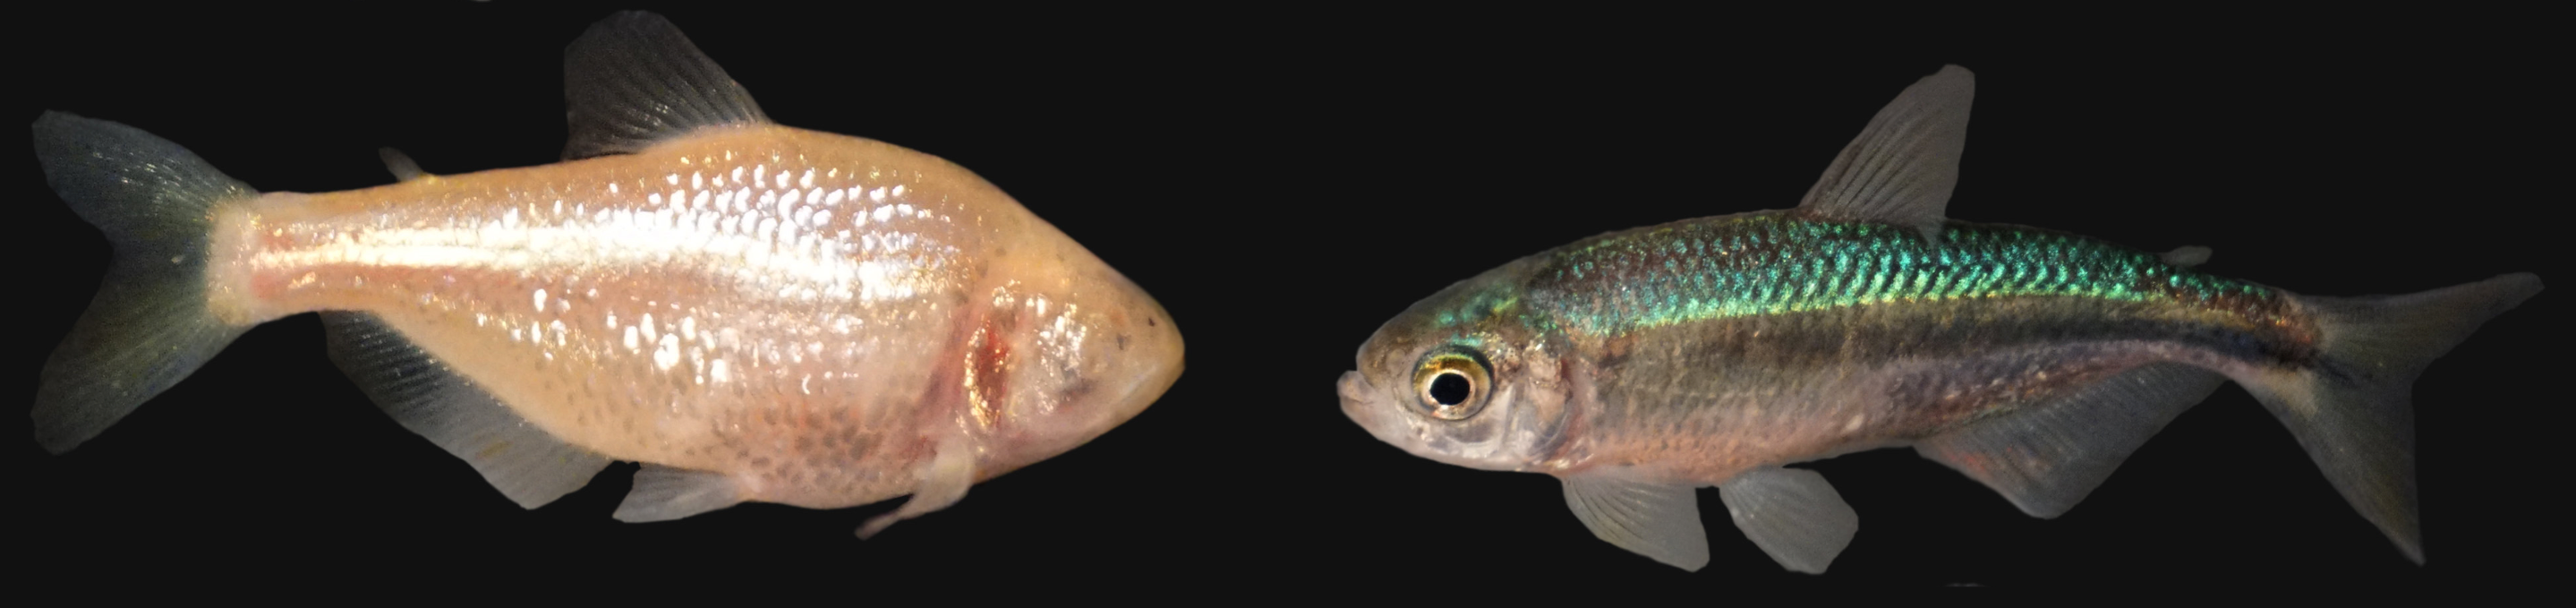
752,311
1637,366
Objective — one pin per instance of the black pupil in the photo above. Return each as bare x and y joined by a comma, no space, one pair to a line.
1449,388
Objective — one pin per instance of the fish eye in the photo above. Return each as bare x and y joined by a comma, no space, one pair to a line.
1452,383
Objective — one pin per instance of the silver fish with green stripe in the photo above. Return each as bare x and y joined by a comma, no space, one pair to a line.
1640,365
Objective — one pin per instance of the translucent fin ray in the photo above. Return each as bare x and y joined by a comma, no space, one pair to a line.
1792,514
2186,256
1658,521
2048,456
400,165
150,324
942,482
522,461
666,493
633,80
2354,412
1901,168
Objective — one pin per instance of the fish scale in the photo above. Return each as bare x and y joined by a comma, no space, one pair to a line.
754,312
1770,264
1780,301
774,288
1639,365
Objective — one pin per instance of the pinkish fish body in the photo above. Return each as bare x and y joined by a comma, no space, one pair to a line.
757,312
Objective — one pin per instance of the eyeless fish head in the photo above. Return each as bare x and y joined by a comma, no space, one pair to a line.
1462,378
1082,356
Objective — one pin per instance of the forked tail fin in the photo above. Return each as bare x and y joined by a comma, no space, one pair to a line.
149,326
2353,411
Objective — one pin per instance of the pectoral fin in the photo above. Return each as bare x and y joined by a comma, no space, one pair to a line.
942,481
1659,521
1792,514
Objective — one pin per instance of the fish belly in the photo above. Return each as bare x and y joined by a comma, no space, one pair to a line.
783,306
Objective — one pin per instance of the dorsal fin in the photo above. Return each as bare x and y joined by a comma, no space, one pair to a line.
1901,168
633,80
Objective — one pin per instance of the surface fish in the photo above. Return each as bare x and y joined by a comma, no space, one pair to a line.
1637,366
753,311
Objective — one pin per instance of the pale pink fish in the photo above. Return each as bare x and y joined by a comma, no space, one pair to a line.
756,312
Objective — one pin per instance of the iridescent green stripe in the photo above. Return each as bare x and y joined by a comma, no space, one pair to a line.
1774,264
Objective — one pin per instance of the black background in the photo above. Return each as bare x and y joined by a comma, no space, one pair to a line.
1283,180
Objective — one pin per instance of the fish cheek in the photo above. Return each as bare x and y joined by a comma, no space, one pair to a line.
1054,371
1479,430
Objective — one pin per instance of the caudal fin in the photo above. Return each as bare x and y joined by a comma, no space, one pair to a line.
148,327
2353,411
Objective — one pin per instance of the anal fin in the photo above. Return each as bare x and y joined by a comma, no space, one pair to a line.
2047,456
1656,520
522,461
1792,514
666,493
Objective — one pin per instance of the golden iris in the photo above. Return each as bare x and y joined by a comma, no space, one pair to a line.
1452,383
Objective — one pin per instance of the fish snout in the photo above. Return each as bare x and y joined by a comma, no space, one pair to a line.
1069,361
1146,345
1352,387
1362,402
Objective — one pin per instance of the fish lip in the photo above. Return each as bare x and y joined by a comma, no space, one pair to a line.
1355,389
1376,417
1352,386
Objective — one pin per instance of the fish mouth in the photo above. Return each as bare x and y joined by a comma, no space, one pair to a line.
1355,392
1355,388
1351,387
